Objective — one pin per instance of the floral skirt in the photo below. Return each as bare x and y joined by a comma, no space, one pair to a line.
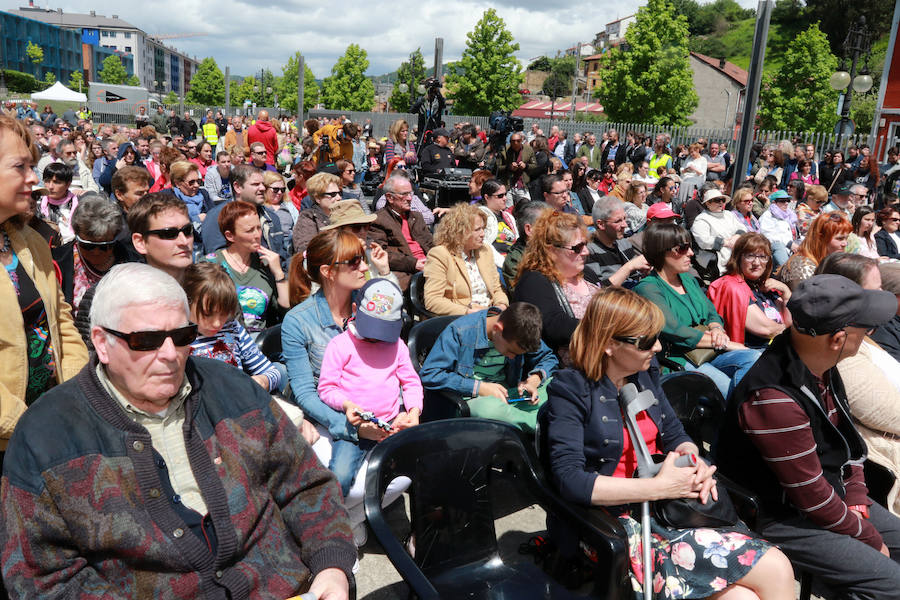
692,563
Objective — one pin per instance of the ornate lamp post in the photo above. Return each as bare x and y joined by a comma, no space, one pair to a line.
856,45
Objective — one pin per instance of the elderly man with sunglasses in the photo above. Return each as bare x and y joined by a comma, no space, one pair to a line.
165,472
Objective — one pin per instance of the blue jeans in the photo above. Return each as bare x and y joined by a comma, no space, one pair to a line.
346,458
727,369
780,253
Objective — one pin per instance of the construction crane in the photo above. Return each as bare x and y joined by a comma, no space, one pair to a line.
173,36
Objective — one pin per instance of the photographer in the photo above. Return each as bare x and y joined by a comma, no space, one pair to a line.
334,142
429,107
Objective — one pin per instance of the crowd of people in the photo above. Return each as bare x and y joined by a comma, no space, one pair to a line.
149,266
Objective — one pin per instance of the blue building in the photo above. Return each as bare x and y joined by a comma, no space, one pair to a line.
99,54
62,47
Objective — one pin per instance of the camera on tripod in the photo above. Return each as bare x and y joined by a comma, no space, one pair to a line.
502,123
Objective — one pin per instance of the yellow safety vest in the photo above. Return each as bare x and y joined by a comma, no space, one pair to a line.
211,133
659,160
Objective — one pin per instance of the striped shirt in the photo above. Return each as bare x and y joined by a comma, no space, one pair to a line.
780,430
232,344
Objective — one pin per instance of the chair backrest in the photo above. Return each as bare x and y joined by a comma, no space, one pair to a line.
699,405
450,464
422,337
417,295
269,342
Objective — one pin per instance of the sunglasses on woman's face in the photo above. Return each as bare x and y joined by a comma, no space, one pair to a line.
353,263
681,248
144,341
576,249
641,342
90,246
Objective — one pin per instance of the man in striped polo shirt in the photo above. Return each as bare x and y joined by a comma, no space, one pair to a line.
790,439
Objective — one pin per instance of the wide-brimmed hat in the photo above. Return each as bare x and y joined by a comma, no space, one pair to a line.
347,212
713,194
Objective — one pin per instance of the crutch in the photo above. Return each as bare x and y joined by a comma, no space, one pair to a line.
632,404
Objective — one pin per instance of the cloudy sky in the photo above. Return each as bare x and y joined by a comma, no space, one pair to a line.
249,34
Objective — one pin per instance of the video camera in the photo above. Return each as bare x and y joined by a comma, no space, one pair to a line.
502,124
432,84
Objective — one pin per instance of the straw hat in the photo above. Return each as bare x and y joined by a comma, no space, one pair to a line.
347,212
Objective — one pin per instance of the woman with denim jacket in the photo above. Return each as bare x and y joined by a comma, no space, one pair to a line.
593,460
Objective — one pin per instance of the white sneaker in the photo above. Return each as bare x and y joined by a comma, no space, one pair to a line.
360,534
355,568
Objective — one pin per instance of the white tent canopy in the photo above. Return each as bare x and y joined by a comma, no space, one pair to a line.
59,93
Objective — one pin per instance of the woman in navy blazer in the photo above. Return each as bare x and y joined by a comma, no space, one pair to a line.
593,460
889,221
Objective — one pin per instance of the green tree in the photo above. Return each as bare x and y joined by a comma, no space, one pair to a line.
287,90
836,16
541,63
49,78
76,81
133,80
488,76
113,72
862,110
348,88
244,91
171,98
34,53
207,84
411,73
652,80
798,97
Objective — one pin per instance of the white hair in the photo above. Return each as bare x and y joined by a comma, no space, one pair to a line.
134,284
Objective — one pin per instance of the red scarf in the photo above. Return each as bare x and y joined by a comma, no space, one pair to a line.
297,195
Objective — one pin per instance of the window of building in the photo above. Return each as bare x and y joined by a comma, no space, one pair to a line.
127,35
127,48
104,33
112,34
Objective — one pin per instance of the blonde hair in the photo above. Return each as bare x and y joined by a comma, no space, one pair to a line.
318,183
396,126
456,225
612,312
270,177
632,192
552,228
179,170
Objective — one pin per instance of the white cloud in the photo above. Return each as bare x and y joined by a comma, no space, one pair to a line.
248,35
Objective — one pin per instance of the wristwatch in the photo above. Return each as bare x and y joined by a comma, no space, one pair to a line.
861,509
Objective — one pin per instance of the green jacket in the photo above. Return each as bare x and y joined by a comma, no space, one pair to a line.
595,161
682,312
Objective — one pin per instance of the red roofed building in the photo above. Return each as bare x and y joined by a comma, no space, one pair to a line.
887,113
541,109
721,87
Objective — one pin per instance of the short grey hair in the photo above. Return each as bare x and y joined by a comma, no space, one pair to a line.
106,143
61,145
96,218
606,206
390,186
890,277
134,284
856,187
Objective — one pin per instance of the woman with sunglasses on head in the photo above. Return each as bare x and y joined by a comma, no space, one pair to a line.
691,320
41,346
592,461
325,190
256,270
752,304
460,274
827,234
551,276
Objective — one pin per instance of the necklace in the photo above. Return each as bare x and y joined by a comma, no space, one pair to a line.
4,247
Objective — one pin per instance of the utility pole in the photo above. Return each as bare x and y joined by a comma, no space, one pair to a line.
438,58
301,71
763,15
575,80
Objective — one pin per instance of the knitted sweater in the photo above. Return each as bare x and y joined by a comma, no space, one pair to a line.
83,514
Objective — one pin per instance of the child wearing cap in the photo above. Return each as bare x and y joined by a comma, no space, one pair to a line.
365,369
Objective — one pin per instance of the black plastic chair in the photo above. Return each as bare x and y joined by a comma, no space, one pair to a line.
699,405
269,342
417,296
452,465
436,404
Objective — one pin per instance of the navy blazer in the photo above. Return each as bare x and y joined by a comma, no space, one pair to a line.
885,245
585,430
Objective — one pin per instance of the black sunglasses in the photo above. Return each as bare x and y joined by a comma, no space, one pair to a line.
170,233
89,246
576,249
682,248
330,195
641,342
144,341
353,263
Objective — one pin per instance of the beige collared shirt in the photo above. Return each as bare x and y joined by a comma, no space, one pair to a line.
167,437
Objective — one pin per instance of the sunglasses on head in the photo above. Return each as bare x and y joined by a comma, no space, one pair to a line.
144,341
171,233
576,249
682,248
353,262
641,342
86,245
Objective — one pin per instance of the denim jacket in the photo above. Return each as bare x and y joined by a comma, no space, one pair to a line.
451,363
305,332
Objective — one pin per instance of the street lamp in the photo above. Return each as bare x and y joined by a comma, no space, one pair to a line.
268,92
857,43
